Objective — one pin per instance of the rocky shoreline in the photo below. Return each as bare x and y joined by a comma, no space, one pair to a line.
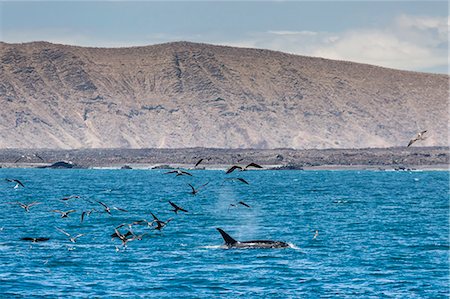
399,158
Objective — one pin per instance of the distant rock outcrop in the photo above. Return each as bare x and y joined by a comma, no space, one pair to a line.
183,94
61,165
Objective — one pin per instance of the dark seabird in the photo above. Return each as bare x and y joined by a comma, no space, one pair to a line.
234,167
123,237
115,235
87,213
130,225
72,239
70,197
418,137
27,207
64,214
177,208
160,224
35,240
18,183
28,158
108,209
195,191
179,172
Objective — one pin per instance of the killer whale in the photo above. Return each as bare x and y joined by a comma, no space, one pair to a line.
232,243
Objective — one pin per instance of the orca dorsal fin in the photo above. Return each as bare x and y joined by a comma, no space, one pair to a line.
228,240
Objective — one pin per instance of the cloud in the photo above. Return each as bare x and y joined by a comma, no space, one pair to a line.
384,49
412,43
409,42
288,32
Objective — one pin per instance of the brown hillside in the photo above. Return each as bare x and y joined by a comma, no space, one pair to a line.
196,95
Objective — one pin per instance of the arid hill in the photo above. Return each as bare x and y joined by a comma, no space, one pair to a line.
183,94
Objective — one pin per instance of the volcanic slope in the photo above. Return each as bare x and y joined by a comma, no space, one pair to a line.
182,94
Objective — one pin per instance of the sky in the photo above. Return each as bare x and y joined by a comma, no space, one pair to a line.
409,35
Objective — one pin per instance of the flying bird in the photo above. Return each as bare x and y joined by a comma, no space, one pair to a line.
234,167
64,214
160,224
240,203
28,158
179,172
18,183
316,234
418,137
70,197
35,240
108,209
115,235
130,225
87,213
195,191
123,237
177,208
72,239
26,207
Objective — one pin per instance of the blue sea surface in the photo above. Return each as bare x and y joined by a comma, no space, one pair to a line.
380,235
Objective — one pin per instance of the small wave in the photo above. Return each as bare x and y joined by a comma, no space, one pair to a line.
293,246
212,247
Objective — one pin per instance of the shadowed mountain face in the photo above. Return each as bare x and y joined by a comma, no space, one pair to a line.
195,95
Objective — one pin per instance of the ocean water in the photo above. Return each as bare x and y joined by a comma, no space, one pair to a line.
380,235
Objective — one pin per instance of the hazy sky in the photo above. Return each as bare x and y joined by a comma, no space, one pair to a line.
410,35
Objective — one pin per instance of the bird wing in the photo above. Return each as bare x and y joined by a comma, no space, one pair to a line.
102,204
154,217
244,204
19,182
139,222
202,186
39,157
183,210
77,236
119,235
199,161
411,142
233,168
34,203
82,216
17,160
121,225
242,180
173,171
192,187
423,132
56,211
185,172
70,211
173,205
64,232
120,209
253,165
